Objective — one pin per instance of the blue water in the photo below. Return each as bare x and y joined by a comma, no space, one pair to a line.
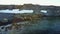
6,15
46,25
50,25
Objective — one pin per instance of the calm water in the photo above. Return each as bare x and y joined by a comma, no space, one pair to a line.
49,25
46,25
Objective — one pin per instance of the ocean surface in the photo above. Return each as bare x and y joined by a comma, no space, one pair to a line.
46,25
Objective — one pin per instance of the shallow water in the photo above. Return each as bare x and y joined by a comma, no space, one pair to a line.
46,25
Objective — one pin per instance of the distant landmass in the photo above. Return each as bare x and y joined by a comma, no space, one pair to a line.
50,10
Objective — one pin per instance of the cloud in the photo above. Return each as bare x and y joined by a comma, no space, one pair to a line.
40,2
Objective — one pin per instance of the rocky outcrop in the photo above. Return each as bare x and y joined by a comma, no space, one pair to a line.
51,10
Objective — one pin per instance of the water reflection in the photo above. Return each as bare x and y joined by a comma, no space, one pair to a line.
16,11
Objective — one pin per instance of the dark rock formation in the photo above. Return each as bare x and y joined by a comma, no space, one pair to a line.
51,10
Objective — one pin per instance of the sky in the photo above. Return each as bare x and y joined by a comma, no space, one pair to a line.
21,2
